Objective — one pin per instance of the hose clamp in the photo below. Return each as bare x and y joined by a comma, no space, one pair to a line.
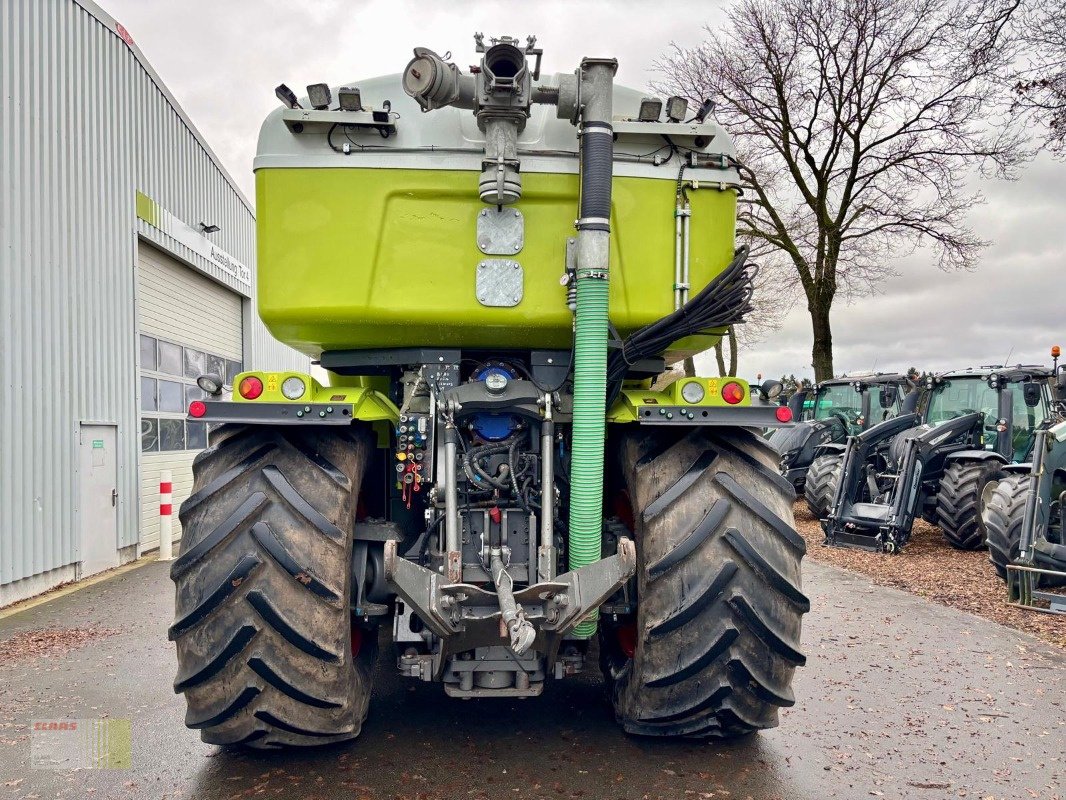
595,274
596,127
593,224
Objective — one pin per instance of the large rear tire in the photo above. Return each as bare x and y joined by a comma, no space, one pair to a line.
719,604
823,478
958,508
263,632
1002,516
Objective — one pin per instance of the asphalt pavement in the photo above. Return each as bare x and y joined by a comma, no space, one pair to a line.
900,698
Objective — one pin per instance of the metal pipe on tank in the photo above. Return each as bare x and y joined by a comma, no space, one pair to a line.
547,490
452,534
500,183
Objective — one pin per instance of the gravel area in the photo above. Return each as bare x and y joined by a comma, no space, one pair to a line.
929,567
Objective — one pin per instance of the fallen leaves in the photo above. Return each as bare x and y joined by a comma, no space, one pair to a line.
929,567
49,642
917,785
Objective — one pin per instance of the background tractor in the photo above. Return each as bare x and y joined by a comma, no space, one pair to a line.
489,481
1025,516
831,412
975,424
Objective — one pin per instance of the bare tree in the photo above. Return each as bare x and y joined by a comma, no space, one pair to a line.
721,353
857,123
1040,83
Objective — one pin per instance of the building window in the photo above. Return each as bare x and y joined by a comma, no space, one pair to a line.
195,435
233,368
168,384
216,365
171,396
170,359
148,361
149,435
149,395
195,363
171,434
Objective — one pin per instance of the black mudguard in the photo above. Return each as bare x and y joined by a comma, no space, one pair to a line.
974,455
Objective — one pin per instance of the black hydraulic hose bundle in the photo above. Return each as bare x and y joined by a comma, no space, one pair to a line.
476,474
724,301
518,466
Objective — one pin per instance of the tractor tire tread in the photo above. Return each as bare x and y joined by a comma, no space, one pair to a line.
823,479
719,592
1003,517
263,624
958,505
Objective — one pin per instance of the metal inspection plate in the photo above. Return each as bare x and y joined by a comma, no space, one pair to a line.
500,232
499,282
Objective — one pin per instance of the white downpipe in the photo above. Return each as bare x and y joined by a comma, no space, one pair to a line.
678,244
686,216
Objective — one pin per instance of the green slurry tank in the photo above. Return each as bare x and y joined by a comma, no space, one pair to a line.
495,269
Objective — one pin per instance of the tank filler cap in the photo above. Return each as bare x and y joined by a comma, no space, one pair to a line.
493,427
496,381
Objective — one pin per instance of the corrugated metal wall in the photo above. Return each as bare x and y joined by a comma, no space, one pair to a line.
84,125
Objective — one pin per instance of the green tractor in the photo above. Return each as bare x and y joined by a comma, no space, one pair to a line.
485,479
976,423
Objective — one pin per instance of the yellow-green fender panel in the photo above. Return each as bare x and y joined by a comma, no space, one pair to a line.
685,395
363,403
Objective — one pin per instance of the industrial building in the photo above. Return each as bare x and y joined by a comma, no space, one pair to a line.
127,270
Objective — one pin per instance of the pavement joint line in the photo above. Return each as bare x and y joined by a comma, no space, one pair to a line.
63,591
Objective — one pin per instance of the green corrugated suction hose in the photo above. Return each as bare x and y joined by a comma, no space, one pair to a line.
591,324
590,390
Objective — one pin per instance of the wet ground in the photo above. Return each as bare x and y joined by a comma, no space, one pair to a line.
900,698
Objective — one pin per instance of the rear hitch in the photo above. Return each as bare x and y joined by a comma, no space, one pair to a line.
466,616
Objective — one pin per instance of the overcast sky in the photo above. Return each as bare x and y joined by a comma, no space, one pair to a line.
222,60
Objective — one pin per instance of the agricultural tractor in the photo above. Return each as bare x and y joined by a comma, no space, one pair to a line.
485,476
1025,517
831,412
976,424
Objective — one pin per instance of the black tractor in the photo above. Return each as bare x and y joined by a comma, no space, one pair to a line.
974,424
834,410
1025,518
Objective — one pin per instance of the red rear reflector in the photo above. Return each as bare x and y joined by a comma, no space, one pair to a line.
250,388
732,393
197,408
784,414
